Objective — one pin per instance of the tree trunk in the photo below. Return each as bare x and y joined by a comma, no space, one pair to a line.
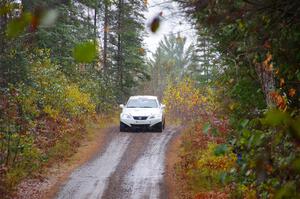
105,37
95,22
119,55
95,27
267,81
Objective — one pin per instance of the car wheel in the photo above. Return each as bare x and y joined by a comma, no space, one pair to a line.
160,127
122,127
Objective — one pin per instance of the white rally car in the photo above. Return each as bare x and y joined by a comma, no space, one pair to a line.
142,112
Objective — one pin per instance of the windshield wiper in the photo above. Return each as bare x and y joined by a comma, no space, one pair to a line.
146,107
131,107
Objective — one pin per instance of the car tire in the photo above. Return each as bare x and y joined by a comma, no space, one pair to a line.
160,127
122,127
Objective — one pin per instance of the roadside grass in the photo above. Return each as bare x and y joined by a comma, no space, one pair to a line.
65,147
94,128
39,158
68,145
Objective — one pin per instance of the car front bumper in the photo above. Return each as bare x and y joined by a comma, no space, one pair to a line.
136,123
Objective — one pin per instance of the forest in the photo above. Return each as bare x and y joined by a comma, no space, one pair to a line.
235,89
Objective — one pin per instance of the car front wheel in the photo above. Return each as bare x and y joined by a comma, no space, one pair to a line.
160,127
122,127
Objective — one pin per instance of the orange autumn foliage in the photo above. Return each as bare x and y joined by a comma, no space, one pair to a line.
279,100
211,195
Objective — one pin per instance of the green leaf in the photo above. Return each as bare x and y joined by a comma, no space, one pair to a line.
255,139
206,128
295,128
244,123
85,52
215,132
220,150
223,178
17,26
287,191
275,117
296,165
246,133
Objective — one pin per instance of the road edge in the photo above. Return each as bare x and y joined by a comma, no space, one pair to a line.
172,157
85,153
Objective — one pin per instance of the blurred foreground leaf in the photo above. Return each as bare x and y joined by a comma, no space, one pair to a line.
296,165
17,26
275,117
287,191
85,52
49,18
155,24
295,127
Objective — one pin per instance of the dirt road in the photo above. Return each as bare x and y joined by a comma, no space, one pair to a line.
130,166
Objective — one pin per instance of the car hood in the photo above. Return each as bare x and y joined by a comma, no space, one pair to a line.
141,111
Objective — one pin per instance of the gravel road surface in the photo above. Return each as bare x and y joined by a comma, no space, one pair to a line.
131,166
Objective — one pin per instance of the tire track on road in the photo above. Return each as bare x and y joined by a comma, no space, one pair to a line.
145,178
90,180
138,144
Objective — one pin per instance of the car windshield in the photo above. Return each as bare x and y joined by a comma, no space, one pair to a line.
142,103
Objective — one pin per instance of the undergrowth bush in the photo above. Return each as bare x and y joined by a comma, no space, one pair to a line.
186,102
205,159
209,169
41,121
265,140
204,163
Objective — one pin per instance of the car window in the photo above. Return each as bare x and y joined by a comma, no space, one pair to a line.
142,103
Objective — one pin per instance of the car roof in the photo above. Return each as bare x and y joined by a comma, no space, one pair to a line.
143,96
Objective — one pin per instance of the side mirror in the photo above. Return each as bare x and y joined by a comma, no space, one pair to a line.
121,105
163,106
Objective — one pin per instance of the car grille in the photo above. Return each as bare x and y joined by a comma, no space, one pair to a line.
140,126
140,117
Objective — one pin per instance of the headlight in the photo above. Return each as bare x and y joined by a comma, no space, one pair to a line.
155,116
125,116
